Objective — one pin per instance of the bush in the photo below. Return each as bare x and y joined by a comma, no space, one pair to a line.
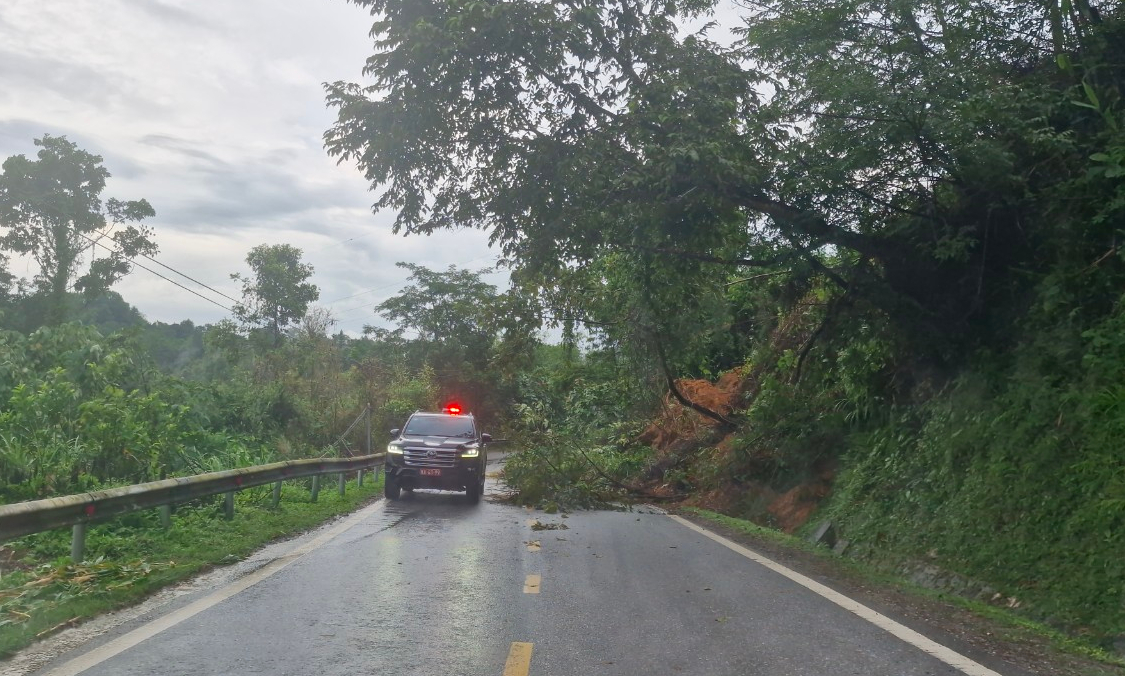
1014,479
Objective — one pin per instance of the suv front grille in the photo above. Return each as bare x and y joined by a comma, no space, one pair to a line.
420,457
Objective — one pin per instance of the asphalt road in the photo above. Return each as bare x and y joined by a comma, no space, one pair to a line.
433,585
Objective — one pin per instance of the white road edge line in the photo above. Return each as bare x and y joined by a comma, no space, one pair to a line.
164,622
902,632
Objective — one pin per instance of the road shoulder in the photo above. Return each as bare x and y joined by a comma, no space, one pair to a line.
101,627
1008,647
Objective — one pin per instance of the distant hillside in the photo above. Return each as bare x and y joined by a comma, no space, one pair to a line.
173,347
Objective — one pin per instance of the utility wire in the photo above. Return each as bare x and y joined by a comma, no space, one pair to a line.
212,289
348,311
94,243
172,281
103,235
364,293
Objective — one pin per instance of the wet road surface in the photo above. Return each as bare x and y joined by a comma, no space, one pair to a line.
433,585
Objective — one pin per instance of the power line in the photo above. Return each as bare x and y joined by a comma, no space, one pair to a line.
103,235
166,267
172,281
343,241
348,311
233,300
364,293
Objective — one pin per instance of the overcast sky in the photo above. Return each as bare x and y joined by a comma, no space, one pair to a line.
213,110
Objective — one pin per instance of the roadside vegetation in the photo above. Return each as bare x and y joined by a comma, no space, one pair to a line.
92,395
861,261
87,408
42,590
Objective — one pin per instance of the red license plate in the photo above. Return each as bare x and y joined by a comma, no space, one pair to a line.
430,472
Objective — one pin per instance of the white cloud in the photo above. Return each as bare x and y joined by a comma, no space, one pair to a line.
214,111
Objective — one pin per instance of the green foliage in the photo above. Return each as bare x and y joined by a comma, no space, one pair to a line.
278,292
901,221
471,339
51,209
82,410
931,197
50,586
1015,480
174,348
575,426
405,395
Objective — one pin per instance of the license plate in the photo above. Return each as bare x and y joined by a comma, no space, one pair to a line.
430,472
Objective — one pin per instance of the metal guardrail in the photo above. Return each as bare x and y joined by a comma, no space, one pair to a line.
24,518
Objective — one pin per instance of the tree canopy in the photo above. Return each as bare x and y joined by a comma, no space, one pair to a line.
475,339
900,139
51,209
277,293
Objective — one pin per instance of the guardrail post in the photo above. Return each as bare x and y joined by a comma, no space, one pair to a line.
315,487
166,516
342,484
276,499
228,505
359,477
78,542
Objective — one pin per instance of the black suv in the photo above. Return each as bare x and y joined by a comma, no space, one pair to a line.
437,450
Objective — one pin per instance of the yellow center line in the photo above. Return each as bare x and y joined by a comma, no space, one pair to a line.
533,546
531,584
519,660
532,522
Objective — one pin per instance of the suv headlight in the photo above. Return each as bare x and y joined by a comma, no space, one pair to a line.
394,450
470,452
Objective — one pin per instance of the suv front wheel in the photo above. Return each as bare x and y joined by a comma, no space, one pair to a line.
391,488
473,492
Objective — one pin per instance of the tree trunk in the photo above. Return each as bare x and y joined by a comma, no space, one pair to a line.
725,422
59,277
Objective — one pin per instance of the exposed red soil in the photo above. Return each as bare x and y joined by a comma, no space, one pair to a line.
676,423
674,436
796,505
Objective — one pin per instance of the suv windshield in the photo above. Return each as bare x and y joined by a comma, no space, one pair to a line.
439,426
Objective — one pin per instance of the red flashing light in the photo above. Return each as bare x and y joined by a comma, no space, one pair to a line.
452,409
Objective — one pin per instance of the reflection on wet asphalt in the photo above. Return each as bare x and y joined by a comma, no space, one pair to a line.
433,585
420,587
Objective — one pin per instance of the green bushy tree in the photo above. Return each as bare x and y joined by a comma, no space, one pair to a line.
51,209
277,293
